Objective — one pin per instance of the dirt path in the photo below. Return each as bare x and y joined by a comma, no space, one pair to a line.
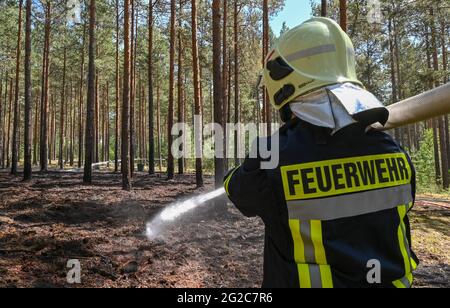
45,223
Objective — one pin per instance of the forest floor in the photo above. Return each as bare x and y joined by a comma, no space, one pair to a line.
52,219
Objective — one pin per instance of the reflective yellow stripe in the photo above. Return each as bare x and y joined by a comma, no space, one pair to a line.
303,273
404,283
228,179
410,278
344,176
325,275
299,247
410,206
316,236
413,264
410,264
313,270
399,285
402,241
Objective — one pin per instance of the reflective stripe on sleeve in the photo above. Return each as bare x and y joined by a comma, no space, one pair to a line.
228,179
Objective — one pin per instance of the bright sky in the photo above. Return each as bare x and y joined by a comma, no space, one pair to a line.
294,13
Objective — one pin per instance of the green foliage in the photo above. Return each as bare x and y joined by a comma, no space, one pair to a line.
423,160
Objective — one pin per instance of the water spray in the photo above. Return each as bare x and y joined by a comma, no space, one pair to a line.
176,210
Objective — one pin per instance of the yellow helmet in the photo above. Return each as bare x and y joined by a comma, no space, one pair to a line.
316,54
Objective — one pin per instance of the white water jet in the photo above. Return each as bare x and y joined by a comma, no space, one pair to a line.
176,210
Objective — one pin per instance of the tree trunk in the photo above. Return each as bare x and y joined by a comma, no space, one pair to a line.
8,133
219,166
197,95
62,132
343,14
399,82
3,124
151,128
445,80
36,132
170,160
80,104
116,143
15,142
225,78
2,121
108,137
102,127
437,164
96,118
392,69
72,134
90,108
45,92
27,170
158,121
236,79
52,130
126,172
324,12
266,28
440,120
132,86
180,86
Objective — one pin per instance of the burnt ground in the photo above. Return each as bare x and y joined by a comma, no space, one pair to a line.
54,218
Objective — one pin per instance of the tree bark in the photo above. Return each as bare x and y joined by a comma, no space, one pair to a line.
117,77
80,103
8,133
180,86
45,92
266,102
445,80
36,132
170,160
96,144
126,172
225,77
2,121
392,69
132,86
108,138
437,164
27,171
62,132
197,94
440,120
158,121
151,128
218,88
90,108
324,12
72,133
15,141
236,80
3,153
343,14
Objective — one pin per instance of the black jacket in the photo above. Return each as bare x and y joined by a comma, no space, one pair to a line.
334,209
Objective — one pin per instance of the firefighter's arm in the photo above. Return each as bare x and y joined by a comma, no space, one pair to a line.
249,189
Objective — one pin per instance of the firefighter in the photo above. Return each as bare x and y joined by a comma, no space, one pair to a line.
335,209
